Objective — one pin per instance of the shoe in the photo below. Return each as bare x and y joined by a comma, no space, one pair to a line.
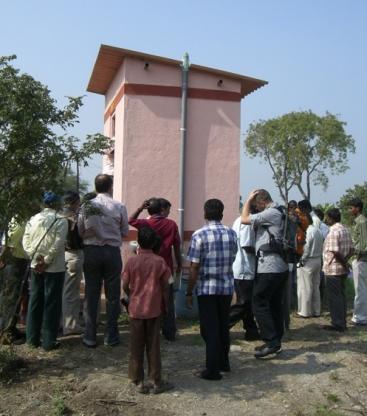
19,341
297,315
252,336
54,346
333,328
260,347
169,338
225,369
162,387
142,388
268,351
87,345
208,376
354,323
112,344
76,331
32,346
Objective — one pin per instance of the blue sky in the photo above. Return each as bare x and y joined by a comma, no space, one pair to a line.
313,53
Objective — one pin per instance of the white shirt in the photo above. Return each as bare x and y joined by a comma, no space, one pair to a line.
103,221
244,263
314,243
45,235
324,229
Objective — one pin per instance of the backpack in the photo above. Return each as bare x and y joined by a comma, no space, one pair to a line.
286,246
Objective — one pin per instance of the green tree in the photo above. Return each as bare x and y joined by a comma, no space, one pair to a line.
300,147
70,182
358,191
33,158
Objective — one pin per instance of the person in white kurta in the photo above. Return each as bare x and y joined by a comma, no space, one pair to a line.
308,275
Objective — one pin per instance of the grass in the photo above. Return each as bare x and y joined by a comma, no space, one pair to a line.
10,364
59,407
324,410
334,376
332,398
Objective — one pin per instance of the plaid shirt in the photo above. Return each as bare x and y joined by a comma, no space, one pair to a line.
337,241
214,246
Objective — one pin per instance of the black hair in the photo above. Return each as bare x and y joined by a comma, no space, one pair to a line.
147,238
319,212
356,202
103,183
305,204
334,214
71,197
89,196
154,206
292,203
213,209
165,204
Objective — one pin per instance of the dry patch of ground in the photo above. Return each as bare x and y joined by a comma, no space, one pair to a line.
318,373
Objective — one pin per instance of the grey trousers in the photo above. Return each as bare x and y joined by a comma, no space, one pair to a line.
102,265
71,293
308,288
360,287
335,289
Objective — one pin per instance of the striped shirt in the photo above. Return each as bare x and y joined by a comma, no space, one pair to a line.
214,247
339,241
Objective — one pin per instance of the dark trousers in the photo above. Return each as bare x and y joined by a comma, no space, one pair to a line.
242,309
169,320
12,279
214,328
145,335
102,265
335,290
44,309
268,306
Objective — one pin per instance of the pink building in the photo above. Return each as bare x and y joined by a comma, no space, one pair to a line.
143,114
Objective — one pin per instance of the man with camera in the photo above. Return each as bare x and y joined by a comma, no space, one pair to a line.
272,269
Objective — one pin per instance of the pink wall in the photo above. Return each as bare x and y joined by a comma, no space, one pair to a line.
148,143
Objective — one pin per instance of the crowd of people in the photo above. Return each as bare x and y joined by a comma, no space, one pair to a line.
273,258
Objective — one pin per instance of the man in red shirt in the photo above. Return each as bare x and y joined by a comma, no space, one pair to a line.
145,280
167,230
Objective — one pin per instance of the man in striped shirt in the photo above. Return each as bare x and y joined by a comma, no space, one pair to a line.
337,249
212,252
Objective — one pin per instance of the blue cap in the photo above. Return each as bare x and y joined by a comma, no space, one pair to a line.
50,197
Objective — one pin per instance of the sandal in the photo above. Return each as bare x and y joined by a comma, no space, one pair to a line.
162,387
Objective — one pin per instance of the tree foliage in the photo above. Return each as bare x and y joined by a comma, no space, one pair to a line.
33,157
300,148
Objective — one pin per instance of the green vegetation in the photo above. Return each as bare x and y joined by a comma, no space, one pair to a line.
59,407
33,157
334,376
333,398
324,410
300,147
10,364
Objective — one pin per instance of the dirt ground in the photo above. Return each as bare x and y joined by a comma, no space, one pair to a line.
318,373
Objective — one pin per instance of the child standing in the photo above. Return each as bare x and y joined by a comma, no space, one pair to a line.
145,281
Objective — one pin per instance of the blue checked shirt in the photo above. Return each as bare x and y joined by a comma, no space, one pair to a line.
214,247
